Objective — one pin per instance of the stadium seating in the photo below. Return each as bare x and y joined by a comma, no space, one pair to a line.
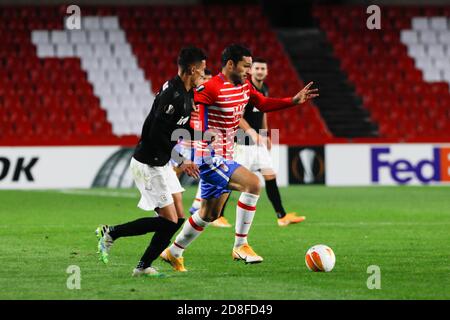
402,71
96,85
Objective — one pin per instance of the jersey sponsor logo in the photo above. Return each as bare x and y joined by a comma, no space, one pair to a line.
170,109
183,121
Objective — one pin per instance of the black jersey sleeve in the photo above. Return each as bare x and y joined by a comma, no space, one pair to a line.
163,102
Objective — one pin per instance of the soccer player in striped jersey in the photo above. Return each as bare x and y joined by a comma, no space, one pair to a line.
220,104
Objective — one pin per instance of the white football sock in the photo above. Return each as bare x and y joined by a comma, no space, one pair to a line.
192,228
245,211
198,200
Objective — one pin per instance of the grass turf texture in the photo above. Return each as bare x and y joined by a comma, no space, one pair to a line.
403,230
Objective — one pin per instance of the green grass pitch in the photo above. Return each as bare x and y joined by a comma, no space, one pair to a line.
403,230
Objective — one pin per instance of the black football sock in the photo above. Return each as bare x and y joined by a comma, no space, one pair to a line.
180,223
159,242
135,228
274,196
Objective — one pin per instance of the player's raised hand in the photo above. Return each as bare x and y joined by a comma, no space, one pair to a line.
191,169
305,94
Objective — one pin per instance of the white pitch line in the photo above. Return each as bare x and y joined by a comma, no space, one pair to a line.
90,192
113,194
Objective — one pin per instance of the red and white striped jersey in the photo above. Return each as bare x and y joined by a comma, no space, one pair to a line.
220,105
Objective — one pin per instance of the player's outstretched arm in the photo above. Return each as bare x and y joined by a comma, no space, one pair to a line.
305,94
266,104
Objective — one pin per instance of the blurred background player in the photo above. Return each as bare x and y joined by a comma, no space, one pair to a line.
160,189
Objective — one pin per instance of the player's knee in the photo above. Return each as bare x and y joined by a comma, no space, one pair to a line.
253,186
168,225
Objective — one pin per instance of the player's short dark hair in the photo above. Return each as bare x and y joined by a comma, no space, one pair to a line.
259,60
208,72
235,53
189,56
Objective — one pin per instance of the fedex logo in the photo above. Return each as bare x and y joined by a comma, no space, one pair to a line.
402,170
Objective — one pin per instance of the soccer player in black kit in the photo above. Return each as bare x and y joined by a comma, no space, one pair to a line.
157,182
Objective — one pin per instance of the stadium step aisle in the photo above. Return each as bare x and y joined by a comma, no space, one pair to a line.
339,105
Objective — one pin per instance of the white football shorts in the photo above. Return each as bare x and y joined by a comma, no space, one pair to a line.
253,157
156,184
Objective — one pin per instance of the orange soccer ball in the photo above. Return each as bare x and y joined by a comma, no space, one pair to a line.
320,258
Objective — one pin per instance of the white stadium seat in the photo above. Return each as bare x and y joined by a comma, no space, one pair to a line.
102,50
443,64
122,50
58,37
64,51
89,64
121,88
446,75
45,50
141,87
428,37
125,98
116,36
107,63
102,89
420,23
136,75
424,63
96,77
110,23
109,102
90,23
417,51
439,23
97,36
84,50
444,36
432,75
409,37
436,51
115,75
40,36
77,36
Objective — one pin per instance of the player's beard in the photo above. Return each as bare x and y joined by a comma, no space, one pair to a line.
236,79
